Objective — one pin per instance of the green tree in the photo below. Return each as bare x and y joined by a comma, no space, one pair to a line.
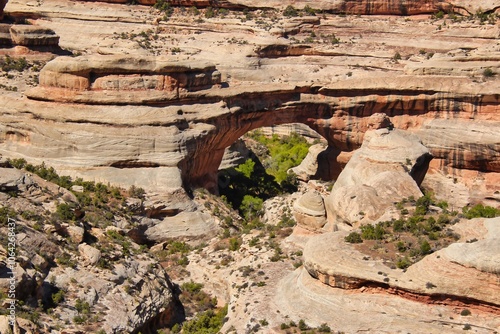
251,206
246,168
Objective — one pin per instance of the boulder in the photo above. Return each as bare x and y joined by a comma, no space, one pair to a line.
235,155
190,225
92,255
308,168
377,175
75,233
4,324
309,211
10,179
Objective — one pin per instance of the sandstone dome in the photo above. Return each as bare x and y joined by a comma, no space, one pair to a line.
311,203
309,211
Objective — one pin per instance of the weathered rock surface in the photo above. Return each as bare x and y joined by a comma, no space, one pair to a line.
132,294
364,7
185,144
27,35
389,166
309,211
186,225
308,298
308,168
91,255
454,272
105,78
235,155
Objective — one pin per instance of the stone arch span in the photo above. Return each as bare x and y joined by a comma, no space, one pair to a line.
457,119
342,131
343,114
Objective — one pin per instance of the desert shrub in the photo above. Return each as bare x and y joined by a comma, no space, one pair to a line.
65,212
234,244
178,247
17,163
58,297
439,15
66,260
138,192
302,325
290,11
309,10
246,168
9,64
425,248
465,312
353,238
208,322
324,328
5,214
370,232
480,210
209,12
251,206
403,263
82,306
192,287
401,246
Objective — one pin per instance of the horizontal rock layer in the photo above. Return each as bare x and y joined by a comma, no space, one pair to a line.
454,271
337,112
363,7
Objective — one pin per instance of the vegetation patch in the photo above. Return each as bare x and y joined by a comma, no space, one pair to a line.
248,185
417,233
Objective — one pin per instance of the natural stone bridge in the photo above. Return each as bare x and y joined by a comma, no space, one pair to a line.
180,117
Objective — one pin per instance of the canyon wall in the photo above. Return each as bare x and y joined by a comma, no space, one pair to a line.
167,119
353,7
211,117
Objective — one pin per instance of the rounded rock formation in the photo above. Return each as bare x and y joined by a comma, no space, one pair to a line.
309,211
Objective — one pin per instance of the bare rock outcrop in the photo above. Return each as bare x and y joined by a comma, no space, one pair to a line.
389,166
308,168
235,155
91,254
168,144
187,225
103,79
459,63
363,7
454,271
309,211
27,35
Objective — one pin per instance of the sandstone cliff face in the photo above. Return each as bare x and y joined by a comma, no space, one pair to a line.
108,77
181,111
203,133
155,103
357,7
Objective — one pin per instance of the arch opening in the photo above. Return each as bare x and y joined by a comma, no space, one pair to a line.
264,162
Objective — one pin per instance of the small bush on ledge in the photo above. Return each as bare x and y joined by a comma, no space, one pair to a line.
353,238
